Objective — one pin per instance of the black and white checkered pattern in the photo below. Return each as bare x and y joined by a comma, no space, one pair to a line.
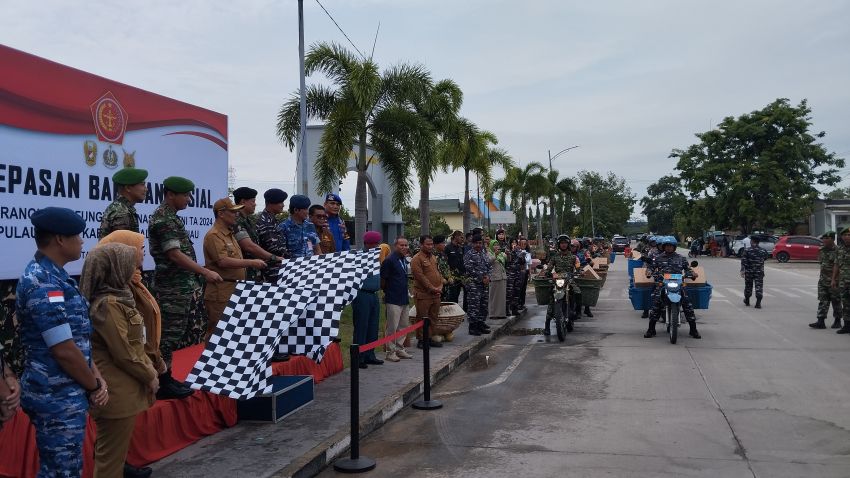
336,278
235,362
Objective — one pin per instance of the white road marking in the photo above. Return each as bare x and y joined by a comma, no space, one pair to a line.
806,292
735,292
787,294
499,380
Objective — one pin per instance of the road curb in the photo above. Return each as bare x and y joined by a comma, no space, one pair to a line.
324,454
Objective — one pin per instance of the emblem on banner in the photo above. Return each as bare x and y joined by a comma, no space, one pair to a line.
110,158
90,148
129,159
110,119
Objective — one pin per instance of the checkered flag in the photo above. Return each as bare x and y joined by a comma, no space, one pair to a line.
335,277
235,362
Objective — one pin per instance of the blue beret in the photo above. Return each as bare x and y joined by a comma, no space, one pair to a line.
58,220
275,196
299,201
332,197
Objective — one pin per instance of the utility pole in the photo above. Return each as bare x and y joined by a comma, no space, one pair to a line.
302,151
553,216
592,222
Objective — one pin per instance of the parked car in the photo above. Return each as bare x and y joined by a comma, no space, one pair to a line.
797,248
619,243
766,242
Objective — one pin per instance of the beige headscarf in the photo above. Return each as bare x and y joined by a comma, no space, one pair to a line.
107,271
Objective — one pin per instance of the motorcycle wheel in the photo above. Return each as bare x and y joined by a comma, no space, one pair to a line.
673,322
560,325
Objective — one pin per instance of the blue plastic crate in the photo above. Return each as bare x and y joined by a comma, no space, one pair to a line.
699,295
640,297
633,264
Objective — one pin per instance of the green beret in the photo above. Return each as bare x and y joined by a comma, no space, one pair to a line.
58,220
843,230
178,185
829,234
130,176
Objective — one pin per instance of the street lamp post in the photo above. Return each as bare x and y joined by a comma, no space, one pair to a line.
554,215
592,222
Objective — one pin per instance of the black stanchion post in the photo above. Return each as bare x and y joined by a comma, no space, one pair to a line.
427,403
355,463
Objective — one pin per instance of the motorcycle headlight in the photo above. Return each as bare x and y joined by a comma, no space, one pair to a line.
560,282
672,285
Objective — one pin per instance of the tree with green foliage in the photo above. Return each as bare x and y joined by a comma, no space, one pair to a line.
664,199
366,106
413,227
760,169
839,193
604,202
514,186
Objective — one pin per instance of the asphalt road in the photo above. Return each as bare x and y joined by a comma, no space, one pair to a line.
761,395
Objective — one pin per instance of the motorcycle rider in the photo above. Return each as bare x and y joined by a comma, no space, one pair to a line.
560,262
582,253
670,262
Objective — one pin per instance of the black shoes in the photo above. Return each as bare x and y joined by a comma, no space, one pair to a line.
645,314
170,388
818,325
432,343
693,332
843,330
836,324
546,330
587,311
373,361
747,301
472,331
363,365
758,302
131,471
650,332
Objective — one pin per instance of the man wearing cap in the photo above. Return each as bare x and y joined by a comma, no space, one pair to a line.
827,294
223,255
841,277
176,284
299,233
333,204
59,380
366,310
477,285
121,213
319,219
427,287
752,270
245,232
268,231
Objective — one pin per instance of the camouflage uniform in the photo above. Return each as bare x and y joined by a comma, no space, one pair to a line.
10,335
669,263
842,261
514,267
445,271
246,227
299,238
120,215
752,265
561,263
270,238
827,295
177,290
51,310
476,266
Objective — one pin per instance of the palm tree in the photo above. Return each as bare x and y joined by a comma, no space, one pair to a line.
538,187
514,185
366,107
438,107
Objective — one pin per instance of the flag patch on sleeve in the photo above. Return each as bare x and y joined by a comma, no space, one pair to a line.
56,296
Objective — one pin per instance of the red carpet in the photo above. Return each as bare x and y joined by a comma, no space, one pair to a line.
165,428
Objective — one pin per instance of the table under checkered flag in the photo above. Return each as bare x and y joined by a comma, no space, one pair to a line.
235,362
336,277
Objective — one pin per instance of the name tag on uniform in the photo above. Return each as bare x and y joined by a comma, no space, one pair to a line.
54,296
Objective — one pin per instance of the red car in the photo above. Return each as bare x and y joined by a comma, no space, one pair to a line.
797,247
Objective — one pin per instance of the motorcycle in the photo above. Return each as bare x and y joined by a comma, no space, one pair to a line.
672,289
565,312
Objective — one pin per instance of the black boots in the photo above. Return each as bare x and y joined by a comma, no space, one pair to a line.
645,314
818,325
131,471
747,301
587,311
758,302
836,324
650,332
170,388
546,330
693,332
843,330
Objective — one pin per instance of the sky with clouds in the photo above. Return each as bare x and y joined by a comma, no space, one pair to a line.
627,81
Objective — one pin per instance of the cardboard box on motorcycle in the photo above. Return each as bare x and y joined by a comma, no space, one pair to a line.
642,281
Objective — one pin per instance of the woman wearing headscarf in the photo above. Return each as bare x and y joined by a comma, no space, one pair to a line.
498,280
118,350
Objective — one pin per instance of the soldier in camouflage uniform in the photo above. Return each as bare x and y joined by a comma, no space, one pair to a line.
841,277
670,262
477,283
59,378
268,231
245,232
752,270
121,213
176,284
442,264
562,262
514,267
827,293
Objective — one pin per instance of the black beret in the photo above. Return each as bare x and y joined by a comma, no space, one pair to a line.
178,185
244,193
275,196
58,220
129,176
299,201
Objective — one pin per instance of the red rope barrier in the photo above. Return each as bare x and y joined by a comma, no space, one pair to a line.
404,331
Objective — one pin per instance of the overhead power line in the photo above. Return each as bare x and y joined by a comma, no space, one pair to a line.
341,30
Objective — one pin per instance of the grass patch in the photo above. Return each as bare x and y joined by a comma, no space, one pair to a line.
346,330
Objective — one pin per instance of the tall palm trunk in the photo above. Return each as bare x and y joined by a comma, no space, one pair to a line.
524,219
553,217
539,224
424,208
466,209
361,205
